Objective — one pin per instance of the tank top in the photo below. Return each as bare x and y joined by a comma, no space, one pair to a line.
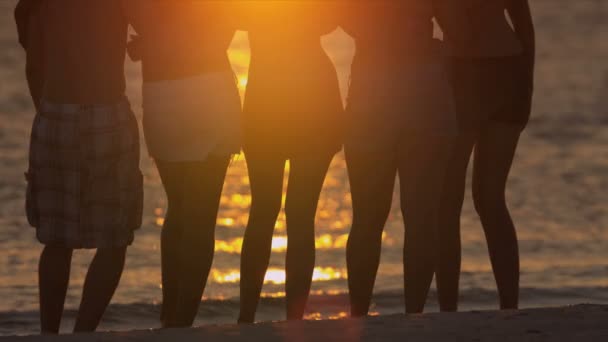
477,28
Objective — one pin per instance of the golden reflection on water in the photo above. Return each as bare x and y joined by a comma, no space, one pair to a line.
317,316
279,243
276,276
240,56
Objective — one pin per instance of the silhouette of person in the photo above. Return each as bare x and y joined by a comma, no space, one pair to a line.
191,124
84,184
292,112
491,71
401,122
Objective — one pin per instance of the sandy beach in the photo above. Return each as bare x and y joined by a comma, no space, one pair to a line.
573,323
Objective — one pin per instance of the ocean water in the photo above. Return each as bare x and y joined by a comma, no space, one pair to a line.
557,192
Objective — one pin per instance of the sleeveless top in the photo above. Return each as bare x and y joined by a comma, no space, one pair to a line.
477,28
178,39
292,104
398,84
390,31
190,99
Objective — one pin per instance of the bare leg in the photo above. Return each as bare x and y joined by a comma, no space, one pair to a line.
422,167
372,181
494,154
171,236
448,268
201,200
306,178
266,179
54,276
99,286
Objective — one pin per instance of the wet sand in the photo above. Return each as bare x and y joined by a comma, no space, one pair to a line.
574,323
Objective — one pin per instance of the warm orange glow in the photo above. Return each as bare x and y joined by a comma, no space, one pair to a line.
327,273
231,246
225,221
277,276
327,241
242,83
240,57
317,316
273,295
279,243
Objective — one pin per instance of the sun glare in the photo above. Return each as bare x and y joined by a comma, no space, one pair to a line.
243,80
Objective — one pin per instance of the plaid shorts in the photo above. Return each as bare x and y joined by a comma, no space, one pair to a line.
85,188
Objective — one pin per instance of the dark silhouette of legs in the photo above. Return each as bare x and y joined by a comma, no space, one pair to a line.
54,276
494,150
266,180
194,191
171,236
372,180
494,154
422,167
306,177
448,267
200,205
100,284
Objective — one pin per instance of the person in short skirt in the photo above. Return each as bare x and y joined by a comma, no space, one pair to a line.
84,183
491,69
191,125
292,112
402,122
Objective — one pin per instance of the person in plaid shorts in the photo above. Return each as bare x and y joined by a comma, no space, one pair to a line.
84,183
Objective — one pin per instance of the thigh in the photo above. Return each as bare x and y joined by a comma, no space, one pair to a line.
422,162
171,175
494,153
306,177
429,107
458,162
265,177
203,183
372,181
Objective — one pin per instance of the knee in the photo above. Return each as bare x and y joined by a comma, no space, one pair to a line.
201,218
368,227
299,215
370,217
489,203
266,209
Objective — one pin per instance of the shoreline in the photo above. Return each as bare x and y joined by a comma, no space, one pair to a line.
585,322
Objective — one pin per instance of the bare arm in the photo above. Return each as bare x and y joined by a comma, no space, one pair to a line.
28,19
521,16
22,19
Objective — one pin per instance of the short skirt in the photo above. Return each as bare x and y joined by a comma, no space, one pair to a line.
384,104
291,112
188,119
494,89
